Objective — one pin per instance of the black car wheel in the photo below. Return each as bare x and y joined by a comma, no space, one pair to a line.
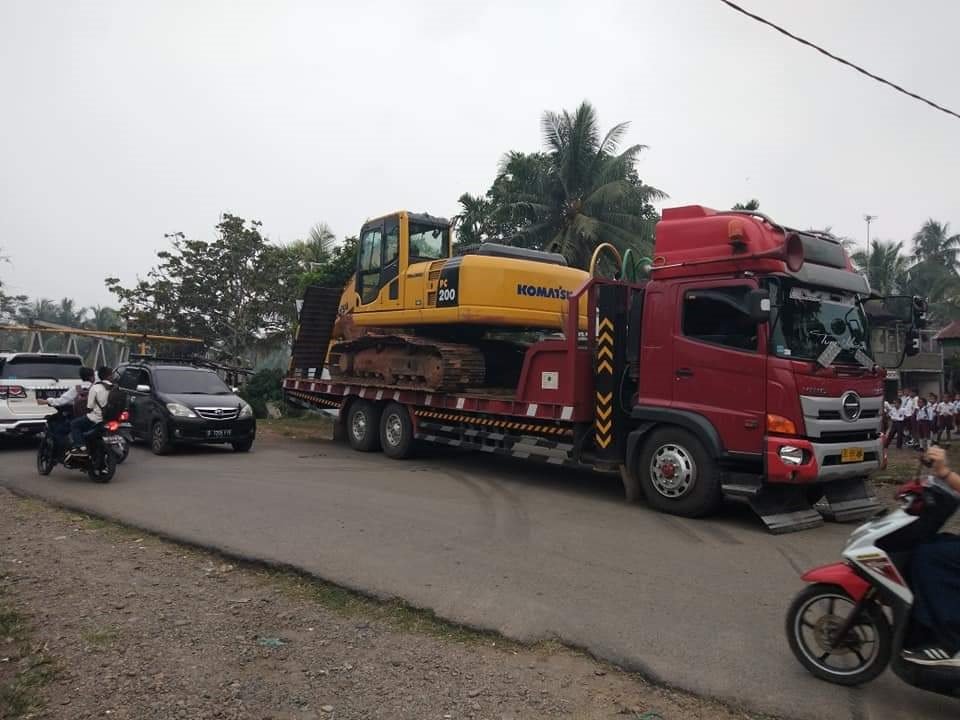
242,446
396,432
159,438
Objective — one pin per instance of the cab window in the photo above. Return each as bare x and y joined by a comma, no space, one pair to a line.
428,242
131,377
370,262
719,316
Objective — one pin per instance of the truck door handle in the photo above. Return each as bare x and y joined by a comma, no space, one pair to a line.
684,372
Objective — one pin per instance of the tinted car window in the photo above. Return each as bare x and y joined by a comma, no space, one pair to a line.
131,377
38,368
189,382
718,316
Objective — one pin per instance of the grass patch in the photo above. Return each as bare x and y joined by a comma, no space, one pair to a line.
395,614
29,670
100,637
311,427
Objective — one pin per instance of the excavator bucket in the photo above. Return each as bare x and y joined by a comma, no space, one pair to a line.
846,500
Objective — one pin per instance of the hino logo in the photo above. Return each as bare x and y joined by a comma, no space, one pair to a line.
850,406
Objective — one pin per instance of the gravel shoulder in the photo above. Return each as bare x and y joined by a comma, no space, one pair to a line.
98,620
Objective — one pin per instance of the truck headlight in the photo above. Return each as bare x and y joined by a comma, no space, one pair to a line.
178,410
791,455
246,411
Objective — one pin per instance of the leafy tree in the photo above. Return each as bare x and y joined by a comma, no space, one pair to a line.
751,205
316,248
235,292
582,191
335,270
473,221
69,314
886,267
9,304
934,243
102,317
40,309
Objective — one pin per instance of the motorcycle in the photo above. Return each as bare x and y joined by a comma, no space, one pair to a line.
106,448
840,628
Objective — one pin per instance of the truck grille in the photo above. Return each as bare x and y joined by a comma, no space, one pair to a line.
219,413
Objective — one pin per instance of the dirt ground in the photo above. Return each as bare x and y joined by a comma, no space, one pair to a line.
97,620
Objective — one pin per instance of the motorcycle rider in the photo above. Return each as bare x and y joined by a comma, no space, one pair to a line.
935,578
96,401
69,399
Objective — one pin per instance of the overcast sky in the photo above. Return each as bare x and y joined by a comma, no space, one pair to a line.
121,121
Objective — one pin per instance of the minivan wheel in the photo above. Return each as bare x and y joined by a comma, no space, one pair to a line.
159,438
363,424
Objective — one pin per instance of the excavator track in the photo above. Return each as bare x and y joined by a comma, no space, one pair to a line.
407,362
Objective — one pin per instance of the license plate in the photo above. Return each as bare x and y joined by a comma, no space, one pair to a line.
111,440
45,394
217,434
851,455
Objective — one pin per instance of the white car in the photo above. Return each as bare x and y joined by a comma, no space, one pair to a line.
27,379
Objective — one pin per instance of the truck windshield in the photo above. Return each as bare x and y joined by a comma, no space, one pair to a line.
811,319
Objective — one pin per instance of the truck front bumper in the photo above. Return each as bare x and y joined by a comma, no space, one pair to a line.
822,462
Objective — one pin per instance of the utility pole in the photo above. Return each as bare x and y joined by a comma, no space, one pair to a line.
869,219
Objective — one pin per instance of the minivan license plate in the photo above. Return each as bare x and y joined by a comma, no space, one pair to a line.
217,434
851,455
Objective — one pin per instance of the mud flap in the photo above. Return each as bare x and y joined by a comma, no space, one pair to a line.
785,508
846,500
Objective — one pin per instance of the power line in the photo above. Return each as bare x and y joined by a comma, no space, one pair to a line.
840,60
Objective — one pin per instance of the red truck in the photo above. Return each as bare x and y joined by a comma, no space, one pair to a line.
741,369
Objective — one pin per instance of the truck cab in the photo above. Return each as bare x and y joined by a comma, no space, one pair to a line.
791,395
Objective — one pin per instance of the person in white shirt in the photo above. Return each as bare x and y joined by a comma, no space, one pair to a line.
944,418
896,426
96,401
70,396
908,409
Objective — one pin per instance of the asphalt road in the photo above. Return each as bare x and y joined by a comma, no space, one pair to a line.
531,552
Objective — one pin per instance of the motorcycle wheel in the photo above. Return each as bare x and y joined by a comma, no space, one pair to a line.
45,460
124,450
102,467
815,614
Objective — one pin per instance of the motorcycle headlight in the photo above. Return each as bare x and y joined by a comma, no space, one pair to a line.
178,410
246,411
791,455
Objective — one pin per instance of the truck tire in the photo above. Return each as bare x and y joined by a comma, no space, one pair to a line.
396,431
363,423
677,474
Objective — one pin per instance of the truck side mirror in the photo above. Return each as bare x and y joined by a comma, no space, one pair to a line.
912,342
758,305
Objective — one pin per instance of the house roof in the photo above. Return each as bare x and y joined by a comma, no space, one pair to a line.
950,332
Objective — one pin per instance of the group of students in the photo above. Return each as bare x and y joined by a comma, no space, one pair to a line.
917,421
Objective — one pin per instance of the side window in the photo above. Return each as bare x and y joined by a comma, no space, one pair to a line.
391,250
370,263
719,316
128,379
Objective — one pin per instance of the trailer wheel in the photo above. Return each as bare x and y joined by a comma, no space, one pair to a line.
363,419
396,431
677,474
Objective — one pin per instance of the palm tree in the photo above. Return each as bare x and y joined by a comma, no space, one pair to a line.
40,309
751,205
103,317
472,222
886,268
69,314
583,191
934,243
316,248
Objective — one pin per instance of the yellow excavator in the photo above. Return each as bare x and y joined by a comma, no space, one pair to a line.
415,316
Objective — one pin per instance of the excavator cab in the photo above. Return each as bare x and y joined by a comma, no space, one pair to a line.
388,247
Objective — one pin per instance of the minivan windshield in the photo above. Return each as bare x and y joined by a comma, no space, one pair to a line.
810,319
189,381
25,367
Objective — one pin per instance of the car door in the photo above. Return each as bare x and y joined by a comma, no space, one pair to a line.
720,362
138,401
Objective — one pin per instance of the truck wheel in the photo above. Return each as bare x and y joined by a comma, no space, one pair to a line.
363,422
396,431
677,474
